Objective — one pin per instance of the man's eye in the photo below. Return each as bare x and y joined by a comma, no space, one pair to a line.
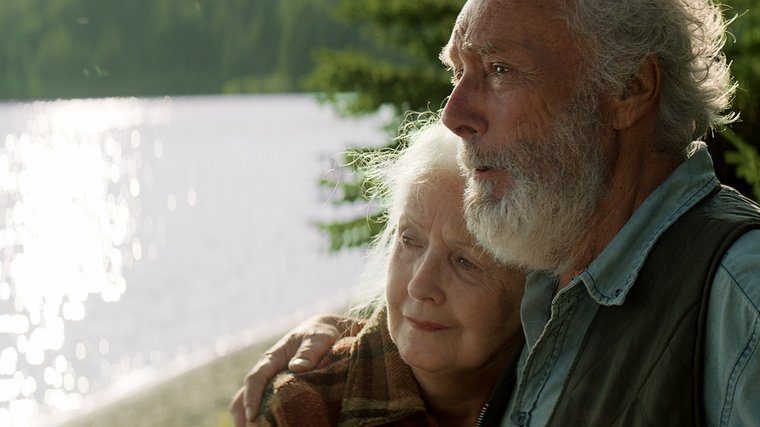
408,241
466,263
499,69
456,74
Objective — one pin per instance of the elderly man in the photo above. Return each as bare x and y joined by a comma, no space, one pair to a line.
578,119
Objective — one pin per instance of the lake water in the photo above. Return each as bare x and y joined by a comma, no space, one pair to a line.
148,235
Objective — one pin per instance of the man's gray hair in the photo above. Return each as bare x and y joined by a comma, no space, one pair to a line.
686,37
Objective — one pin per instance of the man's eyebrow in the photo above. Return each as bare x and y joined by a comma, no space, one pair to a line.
486,48
456,46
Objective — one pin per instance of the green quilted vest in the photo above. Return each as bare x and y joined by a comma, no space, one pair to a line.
640,364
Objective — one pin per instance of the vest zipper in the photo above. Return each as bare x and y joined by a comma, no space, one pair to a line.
482,415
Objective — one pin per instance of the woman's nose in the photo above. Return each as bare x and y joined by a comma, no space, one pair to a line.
427,280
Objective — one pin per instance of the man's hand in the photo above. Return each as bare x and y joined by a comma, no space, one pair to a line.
300,350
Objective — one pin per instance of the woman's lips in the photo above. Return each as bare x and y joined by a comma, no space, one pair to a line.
425,326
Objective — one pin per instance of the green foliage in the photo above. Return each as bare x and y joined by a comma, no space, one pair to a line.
735,152
225,419
400,67
743,49
356,161
353,233
272,83
87,48
418,28
378,82
746,160
361,231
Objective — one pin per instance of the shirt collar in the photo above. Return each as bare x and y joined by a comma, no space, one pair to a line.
610,276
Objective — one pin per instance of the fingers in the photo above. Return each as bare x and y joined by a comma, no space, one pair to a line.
301,350
311,350
257,380
236,409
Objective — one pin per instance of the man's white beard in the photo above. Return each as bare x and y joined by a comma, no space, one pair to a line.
554,187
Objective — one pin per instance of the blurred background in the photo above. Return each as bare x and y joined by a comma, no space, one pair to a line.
172,194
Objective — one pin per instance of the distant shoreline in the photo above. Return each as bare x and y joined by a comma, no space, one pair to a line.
198,392
198,397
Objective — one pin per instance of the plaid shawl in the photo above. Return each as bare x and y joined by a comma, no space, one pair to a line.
361,382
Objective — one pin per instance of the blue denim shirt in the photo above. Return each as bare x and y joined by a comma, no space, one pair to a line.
554,325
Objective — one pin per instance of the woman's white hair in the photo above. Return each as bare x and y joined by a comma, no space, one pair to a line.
686,37
426,146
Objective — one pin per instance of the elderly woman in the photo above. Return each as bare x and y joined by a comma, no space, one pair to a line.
447,329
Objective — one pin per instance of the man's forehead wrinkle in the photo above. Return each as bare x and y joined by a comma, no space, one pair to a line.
486,48
503,28
472,32
471,20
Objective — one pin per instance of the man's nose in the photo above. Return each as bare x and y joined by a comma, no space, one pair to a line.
425,284
464,111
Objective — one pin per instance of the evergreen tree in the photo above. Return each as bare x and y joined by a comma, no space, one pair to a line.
735,150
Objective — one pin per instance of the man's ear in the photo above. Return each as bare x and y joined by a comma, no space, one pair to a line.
641,96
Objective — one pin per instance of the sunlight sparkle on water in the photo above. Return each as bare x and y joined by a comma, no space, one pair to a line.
69,188
192,197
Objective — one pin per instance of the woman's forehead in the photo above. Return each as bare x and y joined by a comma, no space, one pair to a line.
438,196
436,187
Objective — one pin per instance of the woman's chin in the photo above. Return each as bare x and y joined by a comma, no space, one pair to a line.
426,360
